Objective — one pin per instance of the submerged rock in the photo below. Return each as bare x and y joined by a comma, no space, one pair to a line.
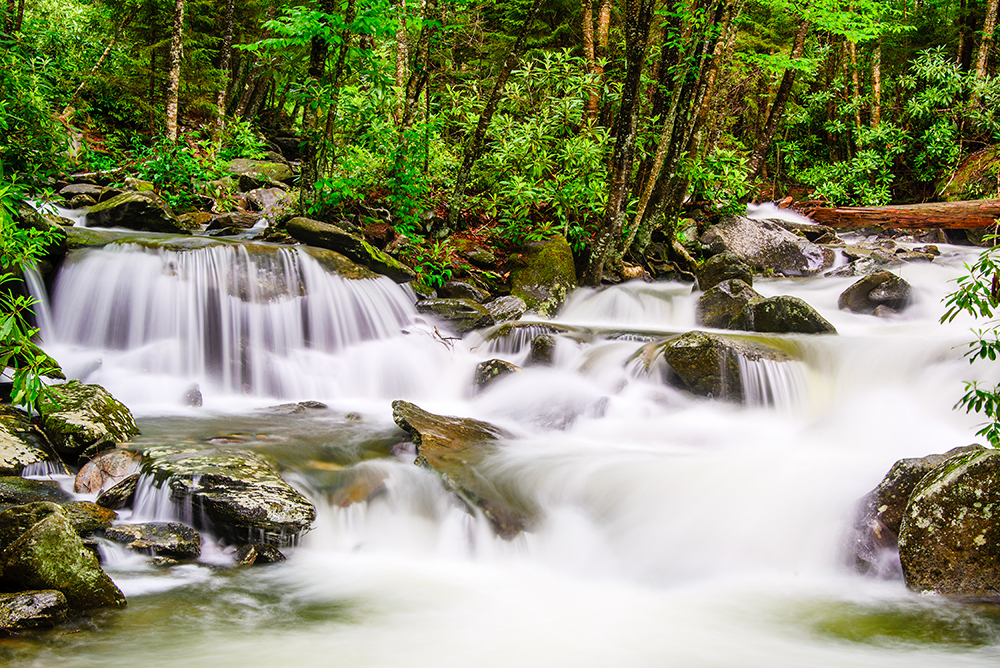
882,288
84,416
239,494
32,610
949,538
456,448
170,539
723,302
491,370
256,554
463,315
542,274
137,211
767,247
324,235
20,443
781,315
15,491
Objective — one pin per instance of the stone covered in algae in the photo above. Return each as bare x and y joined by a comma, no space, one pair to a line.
543,274
82,416
20,443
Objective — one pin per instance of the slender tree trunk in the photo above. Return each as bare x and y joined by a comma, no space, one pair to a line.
253,70
174,80
877,84
8,19
421,68
778,106
402,59
100,61
986,42
225,60
852,52
602,37
590,58
638,16
475,147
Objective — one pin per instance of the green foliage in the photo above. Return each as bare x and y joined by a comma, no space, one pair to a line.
978,294
239,140
431,262
720,178
173,168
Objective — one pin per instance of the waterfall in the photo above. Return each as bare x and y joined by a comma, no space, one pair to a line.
771,383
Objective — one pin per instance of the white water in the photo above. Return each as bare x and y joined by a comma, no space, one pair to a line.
675,531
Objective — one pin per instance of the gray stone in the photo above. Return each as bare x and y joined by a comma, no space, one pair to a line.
20,443
882,288
781,315
506,308
723,267
767,247
32,610
257,173
233,219
543,350
324,235
462,315
169,539
121,494
723,302
463,290
492,370
137,211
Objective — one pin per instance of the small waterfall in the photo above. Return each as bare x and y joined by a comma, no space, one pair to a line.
238,318
771,383
36,288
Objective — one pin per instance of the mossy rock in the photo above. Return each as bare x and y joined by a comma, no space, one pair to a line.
88,517
781,315
170,539
20,443
15,491
543,274
882,288
463,315
325,235
137,211
491,370
258,173
723,267
977,176
339,264
83,416
723,302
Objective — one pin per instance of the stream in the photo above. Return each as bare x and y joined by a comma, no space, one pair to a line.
675,531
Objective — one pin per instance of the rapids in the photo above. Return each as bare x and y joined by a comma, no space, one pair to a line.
676,531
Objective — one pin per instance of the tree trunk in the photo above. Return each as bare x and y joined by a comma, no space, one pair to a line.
986,42
19,21
421,68
254,68
402,59
852,52
174,80
778,106
225,59
973,214
475,147
877,84
8,19
638,16
100,61
590,58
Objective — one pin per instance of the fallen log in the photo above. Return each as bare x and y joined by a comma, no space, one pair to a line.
971,214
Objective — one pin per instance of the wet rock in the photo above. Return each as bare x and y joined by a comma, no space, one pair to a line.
234,219
32,610
781,315
259,173
492,370
767,247
324,235
949,537
50,555
193,396
265,199
20,443
542,274
811,231
239,494
723,302
356,484
170,539
105,470
914,256
506,308
880,512
137,211
74,189
16,491
463,315
456,449
709,364
121,494
543,350
87,517
463,290
724,266
84,416
256,554
883,288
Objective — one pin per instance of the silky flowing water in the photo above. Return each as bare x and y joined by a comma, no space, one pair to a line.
675,531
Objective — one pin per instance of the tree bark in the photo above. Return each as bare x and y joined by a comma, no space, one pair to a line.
638,16
174,79
852,52
778,106
972,214
986,42
19,21
402,59
225,60
877,83
590,58
420,74
100,61
475,147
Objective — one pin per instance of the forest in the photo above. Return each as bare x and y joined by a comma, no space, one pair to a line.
606,122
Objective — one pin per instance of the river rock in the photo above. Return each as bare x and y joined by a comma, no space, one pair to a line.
355,484
463,315
170,539
105,470
121,494
506,308
17,491
259,173
324,235
339,264
949,538
256,554
32,610
709,364
781,315
724,266
84,416
880,512
87,517
542,351
767,247
233,219
20,443
456,448
492,370
50,555
882,288
239,494
723,302
542,274
137,211
463,290
74,189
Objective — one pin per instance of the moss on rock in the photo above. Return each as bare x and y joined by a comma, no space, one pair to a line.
543,274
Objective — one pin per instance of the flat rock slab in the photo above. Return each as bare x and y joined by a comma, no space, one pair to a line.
457,448
20,443
325,235
32,610
169,539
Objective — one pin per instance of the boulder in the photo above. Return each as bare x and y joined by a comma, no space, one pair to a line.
880,512
234,219
50,555
949,538
338,264
491,370
81,417
709,364
137,211
259,173
781,315
87,517
265,199
32,610
463,315
256,554
169,539
767,247
882,288
542,351
16,491
234,493
463,290
723,267
506,308
324,235
543,274
20,443
121,494
456,449
723,302
105,470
